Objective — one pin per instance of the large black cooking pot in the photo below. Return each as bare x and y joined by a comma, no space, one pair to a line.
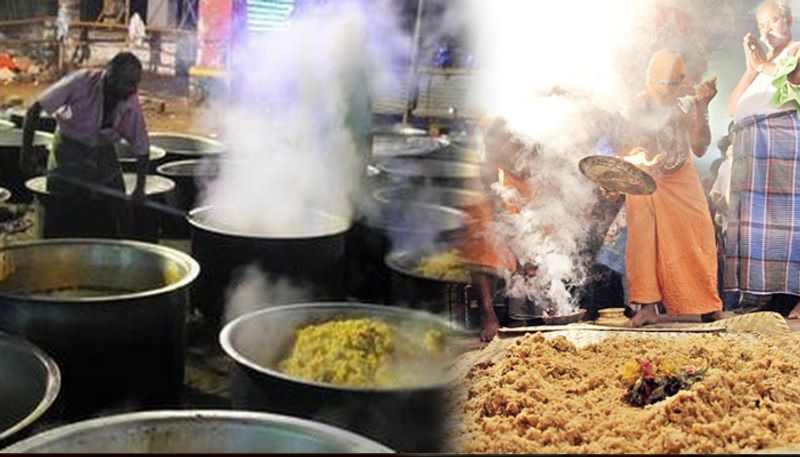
389,225
434,195
311,257
430,172
188,176
409,287
180,146
112,314
128,161
408,418
145,224
11,176
196,431
29,384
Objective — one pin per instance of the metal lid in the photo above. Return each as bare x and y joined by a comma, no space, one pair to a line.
615,174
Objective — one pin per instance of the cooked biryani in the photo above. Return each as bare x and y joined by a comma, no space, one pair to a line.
547,396
365,353
446,266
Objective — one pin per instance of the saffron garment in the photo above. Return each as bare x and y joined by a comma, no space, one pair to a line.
671,256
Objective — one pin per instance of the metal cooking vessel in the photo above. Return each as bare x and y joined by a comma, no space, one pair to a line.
435,195
196,431
431,172
408,419
185,146
314,259
128,161
6,125
394,225
411,288
5,194
147,220
404,130
186,174
111,313
384,147
28,386
11,176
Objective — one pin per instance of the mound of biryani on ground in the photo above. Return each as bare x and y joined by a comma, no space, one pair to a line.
718,394
365,353
445,266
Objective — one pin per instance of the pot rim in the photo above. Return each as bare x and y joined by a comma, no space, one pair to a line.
317,429
226,334
343,225
380,194
391,260
169,184
164,168
156,153
192,269
51,390
216,147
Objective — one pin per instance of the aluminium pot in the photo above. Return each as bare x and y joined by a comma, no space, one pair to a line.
11,175
111,313
28,386
189,176
146,224
408,418
416,290
434,195
389,225
311,257
128,162
181,146
7,125
417,171
196,431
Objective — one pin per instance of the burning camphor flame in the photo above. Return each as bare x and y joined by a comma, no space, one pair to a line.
638,157
501,176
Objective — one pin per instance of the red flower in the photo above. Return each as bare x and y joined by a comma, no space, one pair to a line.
690,370
647,369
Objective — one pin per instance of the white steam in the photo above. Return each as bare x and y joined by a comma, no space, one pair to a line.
253,290
297,128
556,71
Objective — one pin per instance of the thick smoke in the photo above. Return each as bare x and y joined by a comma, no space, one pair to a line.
557,71
254,290
297,127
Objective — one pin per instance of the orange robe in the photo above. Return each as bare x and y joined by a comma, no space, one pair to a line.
671,256
478,249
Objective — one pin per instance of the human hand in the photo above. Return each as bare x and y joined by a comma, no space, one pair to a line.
706,91
611,195
753,52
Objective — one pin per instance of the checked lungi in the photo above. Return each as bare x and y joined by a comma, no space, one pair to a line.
762,252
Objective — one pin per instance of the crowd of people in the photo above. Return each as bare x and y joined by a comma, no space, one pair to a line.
692,247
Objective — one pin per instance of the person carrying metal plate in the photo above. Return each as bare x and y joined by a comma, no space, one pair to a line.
94,110
671,250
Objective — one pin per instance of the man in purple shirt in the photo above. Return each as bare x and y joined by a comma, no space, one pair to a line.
94,109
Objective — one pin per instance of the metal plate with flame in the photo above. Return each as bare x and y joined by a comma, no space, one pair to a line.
615,174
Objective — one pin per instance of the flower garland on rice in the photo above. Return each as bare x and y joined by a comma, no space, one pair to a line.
650,381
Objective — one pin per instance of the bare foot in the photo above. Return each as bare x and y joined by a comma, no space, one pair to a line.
712,316
795,312
647,315
489,327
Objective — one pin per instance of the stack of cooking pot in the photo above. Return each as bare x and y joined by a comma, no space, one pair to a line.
420,187
190,161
